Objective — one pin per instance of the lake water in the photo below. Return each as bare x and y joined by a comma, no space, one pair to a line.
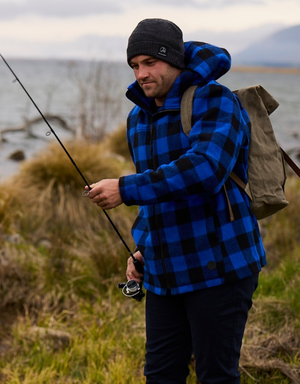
71,89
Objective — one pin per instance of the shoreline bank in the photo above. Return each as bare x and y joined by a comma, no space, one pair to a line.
261,69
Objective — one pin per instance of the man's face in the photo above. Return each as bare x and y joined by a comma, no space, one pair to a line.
154,76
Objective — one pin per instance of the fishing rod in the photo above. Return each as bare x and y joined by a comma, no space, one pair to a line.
136,262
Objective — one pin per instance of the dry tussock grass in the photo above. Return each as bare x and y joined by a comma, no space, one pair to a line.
17,270
47,191
272,337
281,232
117,142
66,247
25,283
7,211
267,349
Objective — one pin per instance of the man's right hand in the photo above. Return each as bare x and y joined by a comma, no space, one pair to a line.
131,272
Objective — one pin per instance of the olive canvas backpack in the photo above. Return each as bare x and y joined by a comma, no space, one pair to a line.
266,160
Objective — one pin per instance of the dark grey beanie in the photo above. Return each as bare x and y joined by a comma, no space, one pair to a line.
158,38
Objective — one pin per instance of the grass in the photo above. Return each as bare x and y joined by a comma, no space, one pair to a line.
63,318
272,338
90,347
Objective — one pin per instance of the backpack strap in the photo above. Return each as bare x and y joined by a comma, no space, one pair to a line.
231,215
186,109
290,162
186,113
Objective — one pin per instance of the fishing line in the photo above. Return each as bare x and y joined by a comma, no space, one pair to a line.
136,262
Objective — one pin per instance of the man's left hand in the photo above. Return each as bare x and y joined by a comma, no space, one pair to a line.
105,193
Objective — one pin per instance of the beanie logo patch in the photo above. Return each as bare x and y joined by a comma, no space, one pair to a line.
162,51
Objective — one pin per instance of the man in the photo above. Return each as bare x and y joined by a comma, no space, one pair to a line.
200,267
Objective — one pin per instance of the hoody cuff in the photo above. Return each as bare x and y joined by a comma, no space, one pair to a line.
129,190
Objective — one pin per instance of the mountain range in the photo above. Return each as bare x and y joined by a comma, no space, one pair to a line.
281,48
267,45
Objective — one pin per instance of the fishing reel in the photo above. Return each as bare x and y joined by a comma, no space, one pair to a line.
132,289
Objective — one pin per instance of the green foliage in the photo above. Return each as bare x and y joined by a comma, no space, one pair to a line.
92,345
282,231
272,338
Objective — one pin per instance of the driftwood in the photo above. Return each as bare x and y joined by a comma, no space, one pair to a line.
28,124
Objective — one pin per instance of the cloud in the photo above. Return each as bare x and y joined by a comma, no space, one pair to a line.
177,2
10,9
206,4
87,47
57,8
113,48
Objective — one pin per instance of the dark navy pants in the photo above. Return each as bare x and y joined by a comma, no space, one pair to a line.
209,323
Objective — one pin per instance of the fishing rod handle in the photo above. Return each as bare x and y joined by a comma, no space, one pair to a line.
138,265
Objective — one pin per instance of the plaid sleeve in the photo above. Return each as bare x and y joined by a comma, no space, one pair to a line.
216,138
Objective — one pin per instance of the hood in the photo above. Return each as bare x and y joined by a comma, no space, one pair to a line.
208,61
204,62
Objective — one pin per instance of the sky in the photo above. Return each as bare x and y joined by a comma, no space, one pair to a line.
99,29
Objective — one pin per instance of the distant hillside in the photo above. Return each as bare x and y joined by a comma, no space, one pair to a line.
280,49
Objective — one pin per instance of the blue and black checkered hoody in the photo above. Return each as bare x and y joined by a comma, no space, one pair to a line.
183,228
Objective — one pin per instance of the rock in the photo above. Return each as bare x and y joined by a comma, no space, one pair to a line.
18,155
14,239
47,333
45,243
